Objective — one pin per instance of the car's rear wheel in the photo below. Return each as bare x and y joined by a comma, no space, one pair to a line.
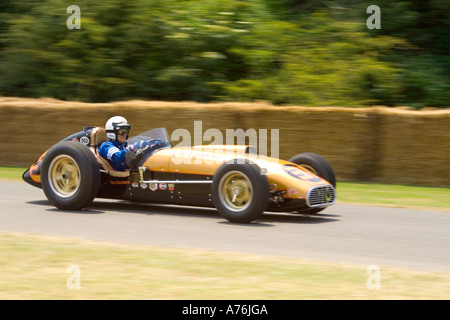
239,192
70,176
319,166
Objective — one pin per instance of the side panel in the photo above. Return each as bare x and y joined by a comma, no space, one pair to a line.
164,193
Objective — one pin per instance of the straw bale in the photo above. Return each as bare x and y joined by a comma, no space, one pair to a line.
391,145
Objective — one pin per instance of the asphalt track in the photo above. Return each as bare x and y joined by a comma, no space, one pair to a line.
362,235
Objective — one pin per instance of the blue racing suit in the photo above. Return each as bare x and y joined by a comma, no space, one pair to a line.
115,153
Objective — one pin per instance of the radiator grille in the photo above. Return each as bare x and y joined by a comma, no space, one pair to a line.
321,196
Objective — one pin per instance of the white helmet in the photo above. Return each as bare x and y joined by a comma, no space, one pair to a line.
115,124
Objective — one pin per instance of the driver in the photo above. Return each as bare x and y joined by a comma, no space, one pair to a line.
116,150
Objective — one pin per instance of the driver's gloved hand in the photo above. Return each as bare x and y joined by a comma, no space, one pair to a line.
135,147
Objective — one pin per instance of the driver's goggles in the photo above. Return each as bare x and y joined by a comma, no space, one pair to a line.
122,132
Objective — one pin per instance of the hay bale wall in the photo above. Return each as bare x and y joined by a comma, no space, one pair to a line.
388,145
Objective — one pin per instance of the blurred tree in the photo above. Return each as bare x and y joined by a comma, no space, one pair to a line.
315,62
310,52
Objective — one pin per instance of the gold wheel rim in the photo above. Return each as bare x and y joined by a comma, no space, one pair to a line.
64,177
236,191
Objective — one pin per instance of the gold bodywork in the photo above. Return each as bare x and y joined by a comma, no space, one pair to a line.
205,160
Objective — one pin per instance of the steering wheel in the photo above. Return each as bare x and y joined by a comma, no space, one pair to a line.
138,156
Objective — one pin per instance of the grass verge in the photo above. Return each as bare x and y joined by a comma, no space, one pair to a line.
11,173
40,267
394,195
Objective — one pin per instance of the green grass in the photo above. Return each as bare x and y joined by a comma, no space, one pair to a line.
36,267
11,173
394,195
351,192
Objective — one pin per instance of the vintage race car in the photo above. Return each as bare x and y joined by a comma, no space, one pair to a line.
235,180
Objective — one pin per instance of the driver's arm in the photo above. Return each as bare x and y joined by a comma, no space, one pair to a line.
121,158
114,155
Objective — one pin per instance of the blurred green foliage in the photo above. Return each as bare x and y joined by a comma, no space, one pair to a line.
297,52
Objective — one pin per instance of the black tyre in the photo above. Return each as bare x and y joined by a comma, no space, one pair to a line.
317,165
240,192
70,176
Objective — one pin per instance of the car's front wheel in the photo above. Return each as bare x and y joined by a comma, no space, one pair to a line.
320,167
70,176
239,192
316,164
